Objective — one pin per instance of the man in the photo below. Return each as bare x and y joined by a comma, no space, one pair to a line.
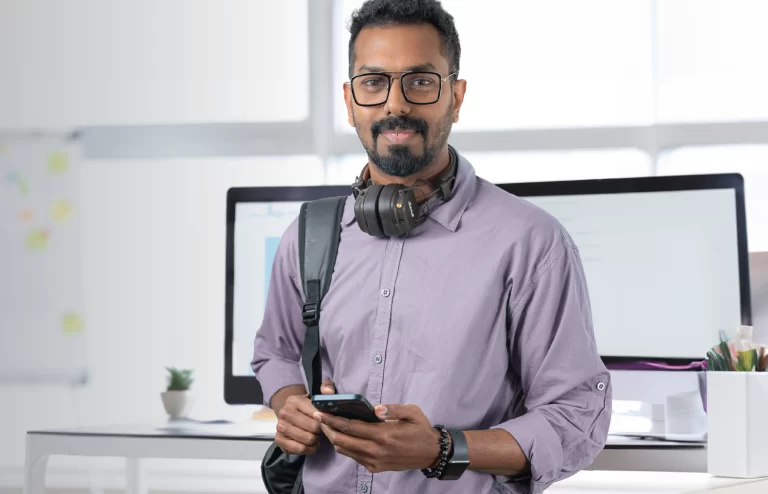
478,319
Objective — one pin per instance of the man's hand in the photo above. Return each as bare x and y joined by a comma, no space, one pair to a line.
405,441
297,430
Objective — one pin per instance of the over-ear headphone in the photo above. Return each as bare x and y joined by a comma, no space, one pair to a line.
392,210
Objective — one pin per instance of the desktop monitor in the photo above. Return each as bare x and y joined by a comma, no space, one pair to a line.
665,259
256,219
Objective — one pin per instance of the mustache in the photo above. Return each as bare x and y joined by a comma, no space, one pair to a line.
403,123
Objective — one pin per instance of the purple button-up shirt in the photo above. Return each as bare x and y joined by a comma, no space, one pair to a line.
480,316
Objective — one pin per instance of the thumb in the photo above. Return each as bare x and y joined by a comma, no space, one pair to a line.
409,413
328,388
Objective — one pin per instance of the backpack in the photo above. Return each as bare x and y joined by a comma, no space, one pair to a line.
319,235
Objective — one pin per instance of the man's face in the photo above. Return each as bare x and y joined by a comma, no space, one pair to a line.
402,138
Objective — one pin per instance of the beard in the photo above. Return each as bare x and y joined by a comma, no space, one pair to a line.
399,160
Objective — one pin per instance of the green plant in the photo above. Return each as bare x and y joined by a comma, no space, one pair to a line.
179,379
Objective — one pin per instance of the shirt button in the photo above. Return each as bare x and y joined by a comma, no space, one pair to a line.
385,292
600,386
377,359
363,488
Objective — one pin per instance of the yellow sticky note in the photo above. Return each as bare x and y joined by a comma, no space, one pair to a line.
23,187
61,210
72,323
58,162
37,240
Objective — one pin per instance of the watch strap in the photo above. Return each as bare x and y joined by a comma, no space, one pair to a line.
459,460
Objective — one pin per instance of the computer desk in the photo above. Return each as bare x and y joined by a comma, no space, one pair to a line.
624,466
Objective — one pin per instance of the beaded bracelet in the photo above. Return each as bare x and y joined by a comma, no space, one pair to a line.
445,444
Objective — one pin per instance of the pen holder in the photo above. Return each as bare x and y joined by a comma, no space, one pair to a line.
737,425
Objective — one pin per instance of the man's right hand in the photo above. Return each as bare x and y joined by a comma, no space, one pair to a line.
297,430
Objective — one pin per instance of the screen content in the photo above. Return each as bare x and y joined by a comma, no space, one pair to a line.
662,268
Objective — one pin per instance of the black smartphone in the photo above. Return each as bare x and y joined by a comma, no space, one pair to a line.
349,406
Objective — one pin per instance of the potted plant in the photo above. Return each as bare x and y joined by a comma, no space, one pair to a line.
177,398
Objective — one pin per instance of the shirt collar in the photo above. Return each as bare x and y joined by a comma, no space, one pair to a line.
447,213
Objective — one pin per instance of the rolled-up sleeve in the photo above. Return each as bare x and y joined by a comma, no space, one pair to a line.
278,342
567,391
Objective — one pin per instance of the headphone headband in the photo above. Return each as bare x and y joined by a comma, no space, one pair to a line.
392,209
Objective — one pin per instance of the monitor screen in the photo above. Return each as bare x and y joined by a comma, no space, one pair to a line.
258,227
256,219
665,260
662,268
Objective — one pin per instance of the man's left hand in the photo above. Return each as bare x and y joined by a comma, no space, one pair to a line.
404,441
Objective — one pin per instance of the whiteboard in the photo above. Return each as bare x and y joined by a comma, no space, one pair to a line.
42,323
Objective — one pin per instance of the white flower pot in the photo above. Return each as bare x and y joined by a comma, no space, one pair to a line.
736,410
178,403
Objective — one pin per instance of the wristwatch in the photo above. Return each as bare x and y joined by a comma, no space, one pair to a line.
454,455
459,456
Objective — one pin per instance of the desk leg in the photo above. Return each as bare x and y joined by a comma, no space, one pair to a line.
135,478
34,469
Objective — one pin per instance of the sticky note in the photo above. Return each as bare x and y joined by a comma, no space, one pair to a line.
37,240
26,215
15,178
71,323
61,211
58,162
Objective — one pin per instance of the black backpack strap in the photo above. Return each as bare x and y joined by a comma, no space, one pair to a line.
319,236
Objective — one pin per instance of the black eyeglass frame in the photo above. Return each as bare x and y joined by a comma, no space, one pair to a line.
402,87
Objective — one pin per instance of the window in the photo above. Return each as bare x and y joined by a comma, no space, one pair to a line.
342,170
711,60
89,62
550,63
545,166
750,161
538,166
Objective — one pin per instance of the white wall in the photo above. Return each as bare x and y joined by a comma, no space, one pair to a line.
154,253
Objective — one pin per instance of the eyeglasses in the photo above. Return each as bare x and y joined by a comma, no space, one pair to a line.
419,88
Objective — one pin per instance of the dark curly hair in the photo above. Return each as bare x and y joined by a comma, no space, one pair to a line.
392,12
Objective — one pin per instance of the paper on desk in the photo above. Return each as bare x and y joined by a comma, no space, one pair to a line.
247,428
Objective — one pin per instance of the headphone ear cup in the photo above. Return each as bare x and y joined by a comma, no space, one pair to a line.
411,213
388,211
359,214
370,211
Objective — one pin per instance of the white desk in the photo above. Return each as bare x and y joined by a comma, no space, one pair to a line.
134,442
595,482
626,454
249,441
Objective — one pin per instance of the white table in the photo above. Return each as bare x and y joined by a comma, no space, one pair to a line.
249,441
632,454
594,482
